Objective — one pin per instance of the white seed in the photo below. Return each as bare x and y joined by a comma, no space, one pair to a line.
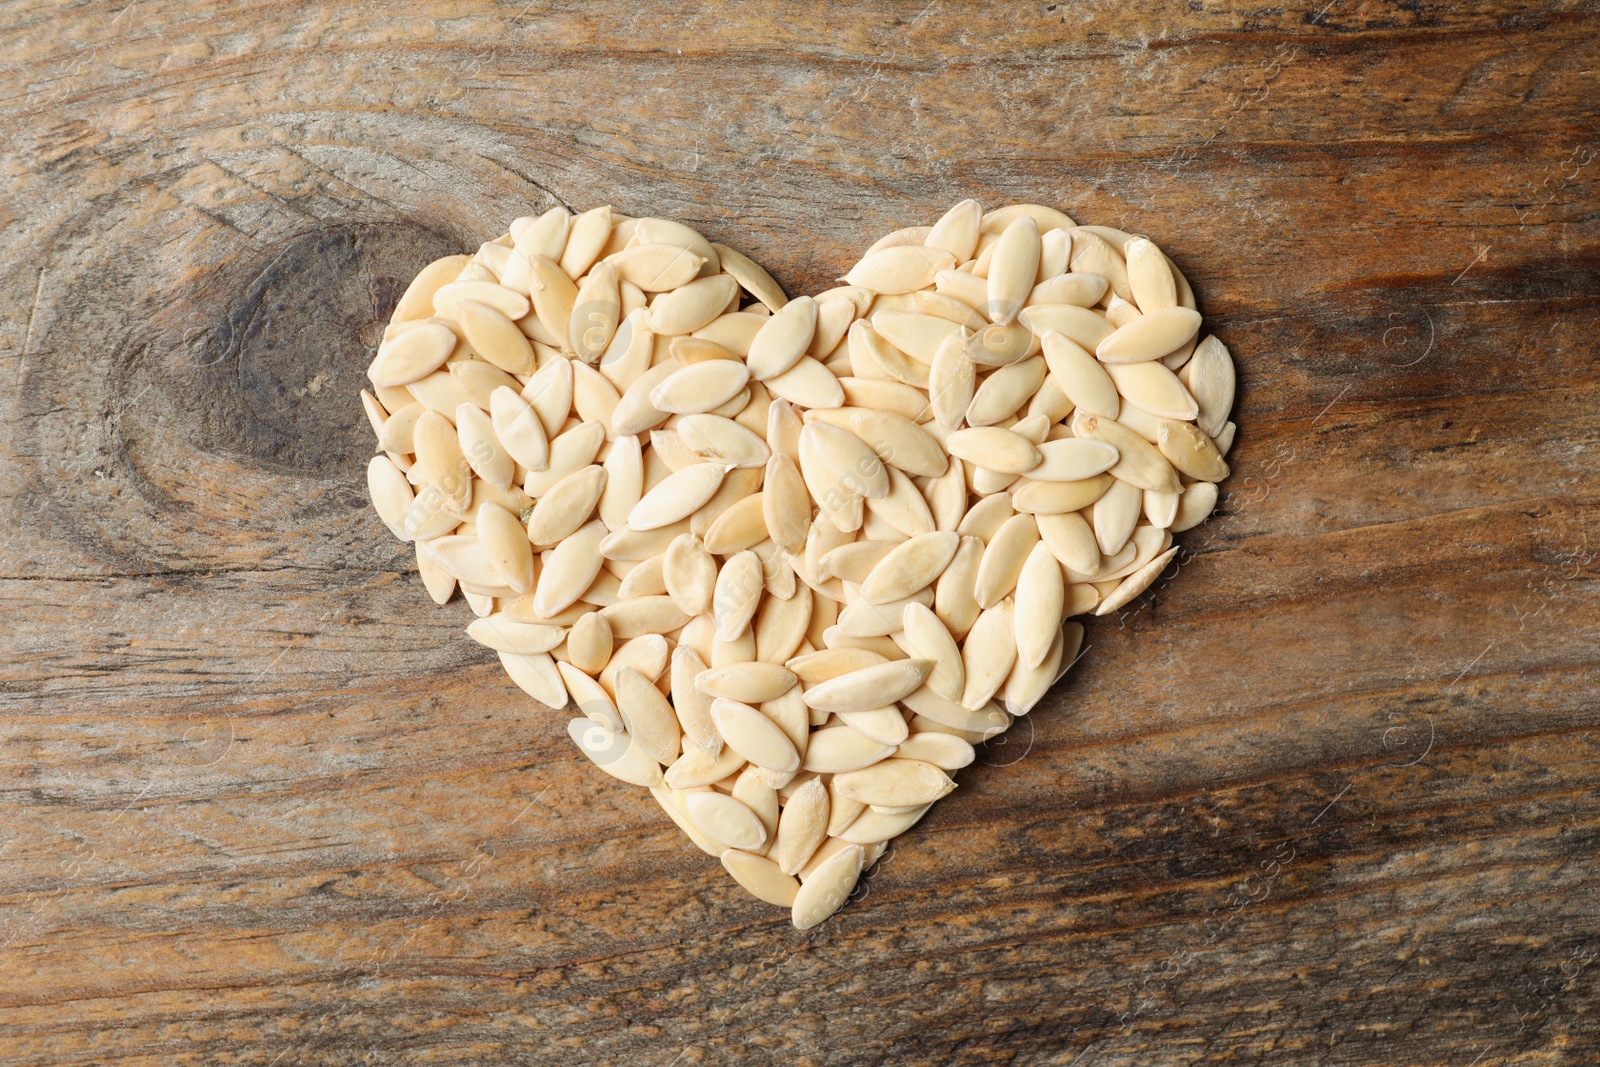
737,595
807,383
1080,376
537,676
895,783
657,267
1210,377
677,496
994,449
783,338
987,654
754,736
752,276
693,306
749,682
829,885
1191,451
834,749
391,494
616,753
569,570
869,687
901,269
1013,269
1003,559
910,566
725,819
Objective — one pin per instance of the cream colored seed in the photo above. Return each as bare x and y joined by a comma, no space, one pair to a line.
549,393
566,506
910,566
761,877
754,736
807,383
725,819
412,355
700,386
1139,462
589,643
895,783
506,541
1013,269
690,574
829,885
647,715
901,269
994,449
952,381
1005,391
834,749
869,687
802,826
615,753
693,306
677,496
752,276
918,336
1191,451
1209,376
987,654
737,595
391,494
749,682
783,339
656,267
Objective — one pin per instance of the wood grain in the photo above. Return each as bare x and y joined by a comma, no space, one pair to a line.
1327,797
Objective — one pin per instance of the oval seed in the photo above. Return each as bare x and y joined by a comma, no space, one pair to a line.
754,736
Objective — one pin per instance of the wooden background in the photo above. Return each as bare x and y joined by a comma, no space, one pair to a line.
1328,797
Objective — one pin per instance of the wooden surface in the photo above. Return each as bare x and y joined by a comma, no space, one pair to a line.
1329,797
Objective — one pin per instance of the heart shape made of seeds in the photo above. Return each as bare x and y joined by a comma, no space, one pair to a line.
792,559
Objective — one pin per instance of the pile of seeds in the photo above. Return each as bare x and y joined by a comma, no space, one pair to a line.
791,559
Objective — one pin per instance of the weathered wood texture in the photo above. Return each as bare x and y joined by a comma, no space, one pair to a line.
1329,797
